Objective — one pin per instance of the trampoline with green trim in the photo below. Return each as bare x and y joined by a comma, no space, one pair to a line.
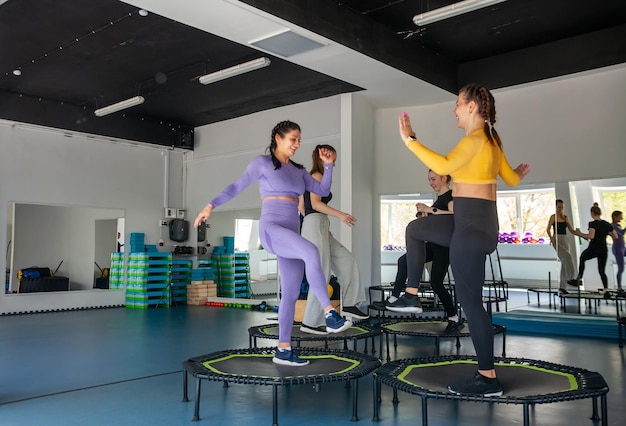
431,328
525,382
356,332
254,366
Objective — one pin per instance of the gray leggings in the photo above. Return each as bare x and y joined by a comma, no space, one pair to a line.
471,233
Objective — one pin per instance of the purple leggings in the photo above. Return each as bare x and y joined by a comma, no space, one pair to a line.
279,230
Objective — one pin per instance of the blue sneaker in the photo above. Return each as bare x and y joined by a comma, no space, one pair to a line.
335,323
288,357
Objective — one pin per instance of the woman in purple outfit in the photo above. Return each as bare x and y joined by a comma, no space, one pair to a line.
618,247
281,182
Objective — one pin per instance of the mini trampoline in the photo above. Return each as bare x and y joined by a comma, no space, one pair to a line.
356,332
526,382
433,328
254,366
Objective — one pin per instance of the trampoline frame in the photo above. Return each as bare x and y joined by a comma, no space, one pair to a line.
195,367
259,332
387,374
497,329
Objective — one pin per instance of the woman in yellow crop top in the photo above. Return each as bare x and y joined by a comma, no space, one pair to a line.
472,231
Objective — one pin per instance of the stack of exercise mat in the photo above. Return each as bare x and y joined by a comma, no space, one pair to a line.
232,270
116,273
202,286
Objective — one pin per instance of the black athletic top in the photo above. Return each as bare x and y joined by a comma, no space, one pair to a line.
441,203
561,227
308,209
603,228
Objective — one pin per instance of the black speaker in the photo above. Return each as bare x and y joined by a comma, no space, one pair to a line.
179,230
202,231
184,138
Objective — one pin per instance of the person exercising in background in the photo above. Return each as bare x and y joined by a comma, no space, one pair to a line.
438,255
336,257
599,229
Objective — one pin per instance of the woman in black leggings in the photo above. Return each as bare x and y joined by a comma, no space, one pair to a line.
438,255
472,231
598,231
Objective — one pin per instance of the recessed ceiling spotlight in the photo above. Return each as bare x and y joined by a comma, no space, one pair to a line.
143,12
17,72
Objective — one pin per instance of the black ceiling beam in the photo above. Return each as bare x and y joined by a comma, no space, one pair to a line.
563,57
122,124
358,32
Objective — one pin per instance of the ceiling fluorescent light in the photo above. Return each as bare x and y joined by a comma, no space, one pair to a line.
137,100
235,70
452,10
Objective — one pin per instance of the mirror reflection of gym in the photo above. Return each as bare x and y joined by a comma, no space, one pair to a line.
71,242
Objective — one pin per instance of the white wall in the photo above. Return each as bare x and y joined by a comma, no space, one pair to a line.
55,167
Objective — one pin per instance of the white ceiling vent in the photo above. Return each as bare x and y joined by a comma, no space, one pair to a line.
286,43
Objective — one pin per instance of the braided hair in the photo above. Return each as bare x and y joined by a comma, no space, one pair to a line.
486,108
282,129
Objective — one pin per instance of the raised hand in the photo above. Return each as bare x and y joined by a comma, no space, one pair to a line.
405,126
522,170
327,155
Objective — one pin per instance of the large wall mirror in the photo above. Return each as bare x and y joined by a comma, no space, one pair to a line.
74,242
526,256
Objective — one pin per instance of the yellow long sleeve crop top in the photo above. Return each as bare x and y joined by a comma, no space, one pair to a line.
474,160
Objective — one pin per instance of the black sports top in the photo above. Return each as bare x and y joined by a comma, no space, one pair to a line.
561,227
308,209
442,201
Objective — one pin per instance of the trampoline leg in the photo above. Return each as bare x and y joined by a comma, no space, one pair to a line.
424,411
345,345
355,399
376,398
196,408
387,340
436,345
594,406
504,344
526,415
274,405
605,411
395,399
185,379
225,384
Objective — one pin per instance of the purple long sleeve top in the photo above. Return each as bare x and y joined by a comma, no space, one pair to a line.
287,181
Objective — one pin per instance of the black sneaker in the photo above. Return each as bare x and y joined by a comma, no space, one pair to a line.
575,282
354,313
454,327
563,291
379,305
478,385
313,330
288,357
406,303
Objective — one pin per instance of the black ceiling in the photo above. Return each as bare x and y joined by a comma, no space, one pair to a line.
78,55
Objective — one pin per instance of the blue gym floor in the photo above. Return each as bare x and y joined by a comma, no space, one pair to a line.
123,367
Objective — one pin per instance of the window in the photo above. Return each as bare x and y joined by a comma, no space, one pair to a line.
243,234
395,214
526,212
612,199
